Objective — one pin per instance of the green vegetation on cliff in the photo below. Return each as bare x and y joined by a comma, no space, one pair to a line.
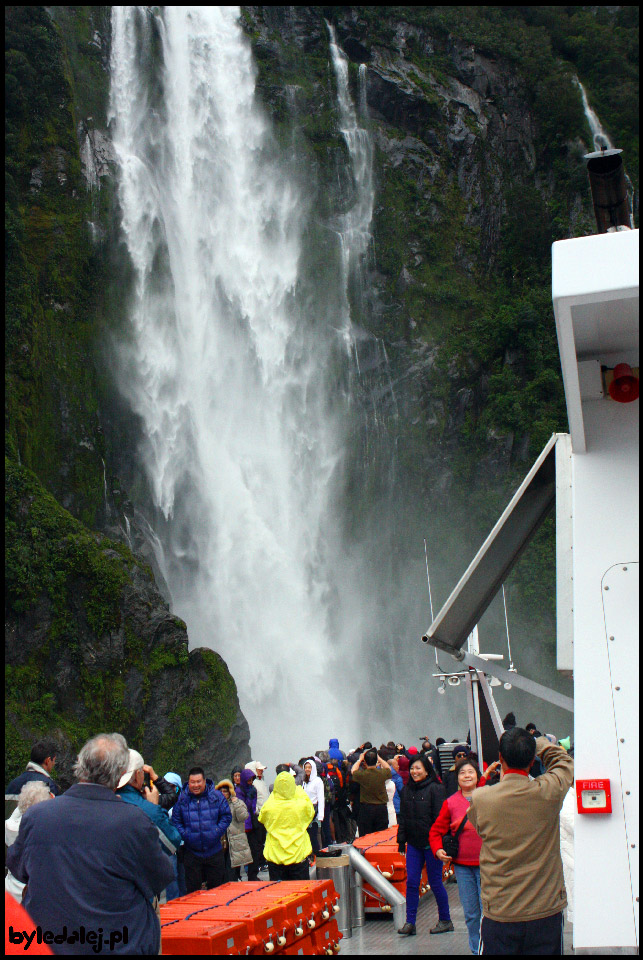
92,646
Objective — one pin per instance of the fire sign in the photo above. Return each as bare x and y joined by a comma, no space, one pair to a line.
593,796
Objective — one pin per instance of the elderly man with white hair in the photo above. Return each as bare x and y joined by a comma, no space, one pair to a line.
91,862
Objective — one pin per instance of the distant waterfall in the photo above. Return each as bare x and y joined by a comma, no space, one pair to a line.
601,139
354,226
224,369
368,352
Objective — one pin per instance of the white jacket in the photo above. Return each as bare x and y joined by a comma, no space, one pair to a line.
315,789
11,828
390,793
567,817
260,785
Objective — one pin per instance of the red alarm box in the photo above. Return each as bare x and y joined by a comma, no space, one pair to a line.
593,796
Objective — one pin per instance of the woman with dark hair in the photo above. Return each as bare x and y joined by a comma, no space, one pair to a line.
467,862
420,804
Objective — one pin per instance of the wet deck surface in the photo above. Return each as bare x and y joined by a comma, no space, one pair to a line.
378,936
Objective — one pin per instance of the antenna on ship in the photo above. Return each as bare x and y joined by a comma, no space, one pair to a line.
512,669
428,580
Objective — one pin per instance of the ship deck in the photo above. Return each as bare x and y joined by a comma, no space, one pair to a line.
378,936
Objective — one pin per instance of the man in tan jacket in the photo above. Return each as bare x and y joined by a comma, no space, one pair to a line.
521,872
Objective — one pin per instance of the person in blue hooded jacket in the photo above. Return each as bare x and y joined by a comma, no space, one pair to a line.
202,815
334,752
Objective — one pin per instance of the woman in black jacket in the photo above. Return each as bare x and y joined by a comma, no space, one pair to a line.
420,804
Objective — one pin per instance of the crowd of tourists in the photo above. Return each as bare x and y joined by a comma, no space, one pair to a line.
122,838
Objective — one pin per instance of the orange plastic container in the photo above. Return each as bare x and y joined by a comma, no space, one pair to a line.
322,893
265,923
325,939
206,938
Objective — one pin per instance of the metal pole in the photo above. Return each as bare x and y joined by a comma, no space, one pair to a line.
537,689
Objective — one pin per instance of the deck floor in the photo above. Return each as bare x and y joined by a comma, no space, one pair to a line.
378,936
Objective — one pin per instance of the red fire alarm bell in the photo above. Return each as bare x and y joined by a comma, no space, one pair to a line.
593,796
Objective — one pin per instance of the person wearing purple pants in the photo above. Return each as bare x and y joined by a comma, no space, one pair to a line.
420,804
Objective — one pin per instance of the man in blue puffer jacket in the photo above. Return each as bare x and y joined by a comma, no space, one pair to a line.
202,815
334,752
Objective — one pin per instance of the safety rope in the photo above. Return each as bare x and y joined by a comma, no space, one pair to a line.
217,906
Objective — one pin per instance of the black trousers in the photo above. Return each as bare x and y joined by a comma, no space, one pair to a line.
289,871
344,827
371,818
313,833
541,938
256,849
197,869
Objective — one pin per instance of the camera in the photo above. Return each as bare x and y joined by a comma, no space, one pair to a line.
147,782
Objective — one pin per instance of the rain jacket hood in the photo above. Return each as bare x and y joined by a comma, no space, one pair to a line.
313,772
246,792
315,788
286,815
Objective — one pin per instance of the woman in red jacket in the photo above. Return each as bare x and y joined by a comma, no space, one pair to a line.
467,862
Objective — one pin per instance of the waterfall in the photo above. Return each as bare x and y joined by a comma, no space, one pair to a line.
354,225
225,370
600,138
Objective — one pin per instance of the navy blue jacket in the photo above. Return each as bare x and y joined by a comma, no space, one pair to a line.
27,776
202,820
90,860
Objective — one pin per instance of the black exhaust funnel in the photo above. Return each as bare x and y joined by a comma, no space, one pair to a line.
609,190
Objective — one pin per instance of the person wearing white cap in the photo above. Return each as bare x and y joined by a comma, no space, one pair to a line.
263,792
132,790
260,785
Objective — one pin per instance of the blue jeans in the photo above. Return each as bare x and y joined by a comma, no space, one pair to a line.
469,891
415,859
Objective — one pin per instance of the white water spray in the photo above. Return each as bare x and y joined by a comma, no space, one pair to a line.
226,372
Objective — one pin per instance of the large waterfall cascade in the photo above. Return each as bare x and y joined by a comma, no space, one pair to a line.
227,373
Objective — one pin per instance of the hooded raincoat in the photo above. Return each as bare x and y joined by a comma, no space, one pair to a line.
260,785
246,792
315,789
286,815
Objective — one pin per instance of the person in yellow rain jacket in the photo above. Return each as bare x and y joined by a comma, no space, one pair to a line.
286,815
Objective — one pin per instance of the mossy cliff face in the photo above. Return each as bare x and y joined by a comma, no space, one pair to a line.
90,643
479,136
92,646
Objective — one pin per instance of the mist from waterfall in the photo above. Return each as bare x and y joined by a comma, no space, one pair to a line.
228,374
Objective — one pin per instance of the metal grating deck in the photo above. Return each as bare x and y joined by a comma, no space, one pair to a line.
379,937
